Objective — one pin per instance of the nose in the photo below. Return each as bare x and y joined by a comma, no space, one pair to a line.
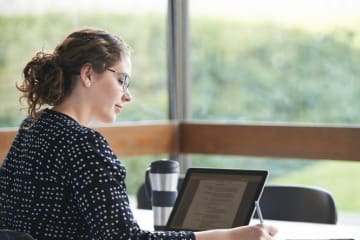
127,97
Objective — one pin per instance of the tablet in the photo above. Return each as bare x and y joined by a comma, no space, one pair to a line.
212,198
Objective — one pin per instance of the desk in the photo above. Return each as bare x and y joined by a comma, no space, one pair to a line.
287,229
301,230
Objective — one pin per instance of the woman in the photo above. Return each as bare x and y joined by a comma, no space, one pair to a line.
60,179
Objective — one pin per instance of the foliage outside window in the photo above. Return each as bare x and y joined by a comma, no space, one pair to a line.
25,32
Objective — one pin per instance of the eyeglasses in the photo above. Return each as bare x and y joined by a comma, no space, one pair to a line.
124,78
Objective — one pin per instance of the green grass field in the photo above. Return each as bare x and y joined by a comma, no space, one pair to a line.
340,178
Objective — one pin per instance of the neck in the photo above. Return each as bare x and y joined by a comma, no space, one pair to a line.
75,111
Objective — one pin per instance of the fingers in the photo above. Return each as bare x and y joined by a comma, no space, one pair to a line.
267,231
271,230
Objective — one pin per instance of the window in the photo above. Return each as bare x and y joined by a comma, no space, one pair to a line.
30,26
281,61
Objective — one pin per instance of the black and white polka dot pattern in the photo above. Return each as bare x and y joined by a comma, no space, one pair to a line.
61,180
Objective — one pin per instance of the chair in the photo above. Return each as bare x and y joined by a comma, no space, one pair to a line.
143,202
298,203
11,235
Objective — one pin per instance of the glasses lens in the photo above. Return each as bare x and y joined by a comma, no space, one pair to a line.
126,82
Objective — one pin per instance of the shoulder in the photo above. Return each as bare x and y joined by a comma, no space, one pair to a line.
61,131
58,124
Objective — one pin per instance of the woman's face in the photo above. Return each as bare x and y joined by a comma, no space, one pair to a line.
108,95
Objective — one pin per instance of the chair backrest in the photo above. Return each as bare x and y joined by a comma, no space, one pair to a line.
298,203
143,201
11,235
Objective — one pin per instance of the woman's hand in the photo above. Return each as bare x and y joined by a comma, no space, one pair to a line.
254,232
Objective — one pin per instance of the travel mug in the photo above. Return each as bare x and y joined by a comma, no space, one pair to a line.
161,183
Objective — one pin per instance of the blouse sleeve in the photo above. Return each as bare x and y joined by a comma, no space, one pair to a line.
97,180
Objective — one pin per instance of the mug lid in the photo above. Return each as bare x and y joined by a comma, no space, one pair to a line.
164,166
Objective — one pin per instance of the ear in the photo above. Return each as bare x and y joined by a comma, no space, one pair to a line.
85,75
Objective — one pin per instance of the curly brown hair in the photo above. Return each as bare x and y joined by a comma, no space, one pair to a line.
50,77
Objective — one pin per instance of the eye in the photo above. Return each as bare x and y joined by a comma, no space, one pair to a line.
121,81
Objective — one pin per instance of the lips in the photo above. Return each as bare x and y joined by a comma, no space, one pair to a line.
118,107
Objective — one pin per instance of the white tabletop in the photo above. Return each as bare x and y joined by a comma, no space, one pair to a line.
301,230
287,229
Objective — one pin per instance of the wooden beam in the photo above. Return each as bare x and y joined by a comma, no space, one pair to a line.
309,142
7,136
125,140
142,139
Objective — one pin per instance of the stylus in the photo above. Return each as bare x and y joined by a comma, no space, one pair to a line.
258,210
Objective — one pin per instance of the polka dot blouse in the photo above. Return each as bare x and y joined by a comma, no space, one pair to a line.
61,180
